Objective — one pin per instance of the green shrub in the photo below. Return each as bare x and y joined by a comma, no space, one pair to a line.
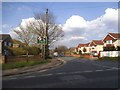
25,51
33,51
109,48
18,51
118,48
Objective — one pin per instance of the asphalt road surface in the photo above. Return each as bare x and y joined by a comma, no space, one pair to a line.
75,73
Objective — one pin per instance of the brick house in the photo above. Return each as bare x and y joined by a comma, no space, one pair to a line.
82,47
96,46
112,39
5,42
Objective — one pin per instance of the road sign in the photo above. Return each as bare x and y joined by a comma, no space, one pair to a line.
42,40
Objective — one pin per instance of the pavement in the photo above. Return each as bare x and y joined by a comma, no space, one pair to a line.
43,67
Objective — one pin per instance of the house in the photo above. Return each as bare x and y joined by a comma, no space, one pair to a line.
111,45
112,39
5,42
72,49
84,48
96,46
17,43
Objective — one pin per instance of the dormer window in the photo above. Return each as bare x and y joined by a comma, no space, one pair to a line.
109,42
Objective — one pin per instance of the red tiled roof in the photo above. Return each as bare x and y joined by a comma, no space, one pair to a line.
98,42
115,35
112,36
92,44
83,45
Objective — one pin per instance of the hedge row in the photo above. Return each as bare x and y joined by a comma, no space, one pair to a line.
25,50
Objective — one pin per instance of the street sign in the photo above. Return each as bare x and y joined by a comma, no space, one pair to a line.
42,40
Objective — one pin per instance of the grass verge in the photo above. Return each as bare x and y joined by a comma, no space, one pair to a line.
23,64
109,59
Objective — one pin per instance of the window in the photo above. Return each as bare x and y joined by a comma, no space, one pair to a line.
9,44
93,47
109,42
5,43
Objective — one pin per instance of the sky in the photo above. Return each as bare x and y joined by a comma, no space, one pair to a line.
81,21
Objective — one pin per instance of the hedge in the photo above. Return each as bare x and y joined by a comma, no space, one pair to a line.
18,51
25,50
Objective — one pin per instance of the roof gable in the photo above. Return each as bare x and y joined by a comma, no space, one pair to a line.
96,42
5,36
115,35
83,45
92,44
112,36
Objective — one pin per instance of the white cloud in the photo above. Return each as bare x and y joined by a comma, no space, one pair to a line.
78,30
74,21
77,37
6,26
77,26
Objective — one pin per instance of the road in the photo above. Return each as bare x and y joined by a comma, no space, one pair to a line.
75,73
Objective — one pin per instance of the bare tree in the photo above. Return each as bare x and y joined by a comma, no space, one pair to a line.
61,49
37,28
55,32
24,34
45,25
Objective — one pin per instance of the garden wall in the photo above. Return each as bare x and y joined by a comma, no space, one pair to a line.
12,59
109,53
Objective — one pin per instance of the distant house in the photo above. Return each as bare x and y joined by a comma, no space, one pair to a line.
17,43
96,46
72,49
5,42
83,48
112,39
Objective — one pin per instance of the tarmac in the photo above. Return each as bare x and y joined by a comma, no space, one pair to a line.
42,67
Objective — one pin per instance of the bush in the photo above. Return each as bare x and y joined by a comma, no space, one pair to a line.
25,50
33,51
18,51
118,48
110,48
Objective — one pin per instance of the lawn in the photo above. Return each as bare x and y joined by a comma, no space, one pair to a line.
23,64
109,59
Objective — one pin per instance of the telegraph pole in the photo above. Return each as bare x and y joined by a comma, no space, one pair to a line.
46,33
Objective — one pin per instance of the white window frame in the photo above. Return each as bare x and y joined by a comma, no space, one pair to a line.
109,42
9,44
5,43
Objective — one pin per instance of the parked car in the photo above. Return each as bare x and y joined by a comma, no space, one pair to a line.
95,54
55,54
61,55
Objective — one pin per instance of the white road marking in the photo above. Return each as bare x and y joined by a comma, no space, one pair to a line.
60,73
13,78
47,74
99,70
110,69
106,66
29,76
87,71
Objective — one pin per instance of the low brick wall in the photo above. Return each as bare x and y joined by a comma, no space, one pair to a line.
12,59
77,55
73,55
86,56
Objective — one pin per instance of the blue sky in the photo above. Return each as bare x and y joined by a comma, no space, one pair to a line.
14,12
